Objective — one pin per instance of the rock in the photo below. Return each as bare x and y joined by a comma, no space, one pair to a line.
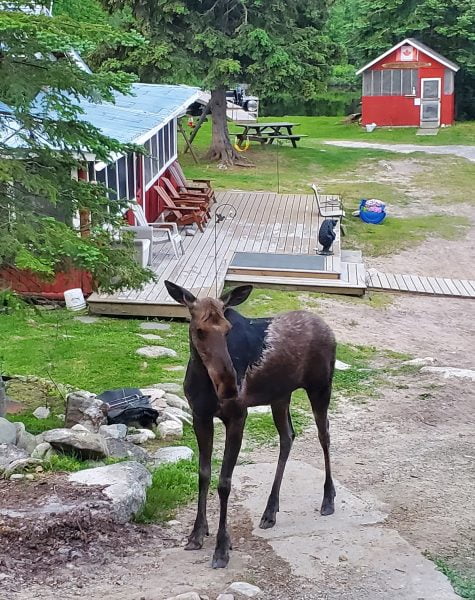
81,428
85,409
150,336
259,410
20,464
172,454
177,402
149,325
451,372
43,451
116,432
25,440
173,523
245,589
419,362
86,319
175,414
186,596
170,430
174,368
169,388
85,444
30,477
157,399
42,412
341,366
8,432
156,352
9,453
343,558
225,597
140,436
126,483
17,476
123,449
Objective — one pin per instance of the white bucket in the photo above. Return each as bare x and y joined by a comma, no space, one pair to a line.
370,127
74,299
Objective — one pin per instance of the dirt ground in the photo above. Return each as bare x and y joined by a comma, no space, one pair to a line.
403,461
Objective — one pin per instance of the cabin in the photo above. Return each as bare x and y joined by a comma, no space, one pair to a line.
147,117
409,85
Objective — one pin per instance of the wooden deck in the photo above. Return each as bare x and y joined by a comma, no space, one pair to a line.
264,223
418,284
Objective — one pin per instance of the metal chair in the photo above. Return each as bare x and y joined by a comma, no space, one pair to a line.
156,232
330,207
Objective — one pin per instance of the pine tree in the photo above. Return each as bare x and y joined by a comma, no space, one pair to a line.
275,47
42,139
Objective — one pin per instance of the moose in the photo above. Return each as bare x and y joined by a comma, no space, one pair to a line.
236,363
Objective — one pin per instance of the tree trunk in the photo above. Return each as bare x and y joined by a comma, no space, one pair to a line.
3,398
221,148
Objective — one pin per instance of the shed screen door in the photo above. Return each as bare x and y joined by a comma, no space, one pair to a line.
430,102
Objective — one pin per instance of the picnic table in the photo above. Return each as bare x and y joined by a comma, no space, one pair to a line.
266,133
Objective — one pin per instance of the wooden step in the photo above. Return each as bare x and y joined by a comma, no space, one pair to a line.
295,273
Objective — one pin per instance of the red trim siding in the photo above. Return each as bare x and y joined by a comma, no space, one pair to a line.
28,284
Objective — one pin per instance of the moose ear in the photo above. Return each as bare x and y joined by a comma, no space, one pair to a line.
236,296
179,294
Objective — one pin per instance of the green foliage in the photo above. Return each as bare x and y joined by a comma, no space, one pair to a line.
71,464
34,425
11,302
38,197
446,26
172,485
463,585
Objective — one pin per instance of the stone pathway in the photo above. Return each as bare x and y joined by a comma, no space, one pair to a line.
467,152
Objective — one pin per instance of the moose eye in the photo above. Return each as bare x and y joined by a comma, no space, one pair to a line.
201,334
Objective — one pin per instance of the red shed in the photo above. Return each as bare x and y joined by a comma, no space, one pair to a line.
410,85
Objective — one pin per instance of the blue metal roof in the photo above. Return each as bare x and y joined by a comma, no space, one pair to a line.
132,117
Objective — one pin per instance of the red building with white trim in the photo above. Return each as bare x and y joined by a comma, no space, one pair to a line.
410,85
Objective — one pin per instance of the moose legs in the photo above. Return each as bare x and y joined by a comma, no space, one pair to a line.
234,432
204,430
283,423
320,401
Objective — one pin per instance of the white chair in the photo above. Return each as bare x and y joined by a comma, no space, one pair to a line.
157,233
330,207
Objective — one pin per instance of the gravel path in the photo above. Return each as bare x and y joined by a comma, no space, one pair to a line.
467,152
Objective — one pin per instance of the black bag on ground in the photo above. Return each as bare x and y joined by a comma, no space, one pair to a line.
129,405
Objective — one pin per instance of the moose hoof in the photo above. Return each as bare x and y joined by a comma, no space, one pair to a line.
267,522
328,508
220,562
194,545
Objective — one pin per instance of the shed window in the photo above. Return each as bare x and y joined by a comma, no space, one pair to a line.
172,138
155,155
147,163
390,82
112,182
131,175
161,149
448,82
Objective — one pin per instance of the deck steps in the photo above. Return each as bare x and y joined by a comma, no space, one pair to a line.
351,281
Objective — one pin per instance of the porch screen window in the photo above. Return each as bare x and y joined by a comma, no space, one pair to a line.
131,176
147,161
390,82
161,156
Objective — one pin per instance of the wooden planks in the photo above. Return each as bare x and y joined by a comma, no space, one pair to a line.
419,284
263,222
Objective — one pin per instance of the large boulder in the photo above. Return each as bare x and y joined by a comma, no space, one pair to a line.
177,402
126,486
140,436
7,432
86,409
25,440
43,451
169,387
117,432
123,449
171,454
170,430
9,453
84,444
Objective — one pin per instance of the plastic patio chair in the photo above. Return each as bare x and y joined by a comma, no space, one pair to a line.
156,232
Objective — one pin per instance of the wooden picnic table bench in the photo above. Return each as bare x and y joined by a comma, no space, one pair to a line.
266,133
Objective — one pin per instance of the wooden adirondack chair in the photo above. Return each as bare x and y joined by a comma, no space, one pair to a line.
197,199
190,185
182,215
